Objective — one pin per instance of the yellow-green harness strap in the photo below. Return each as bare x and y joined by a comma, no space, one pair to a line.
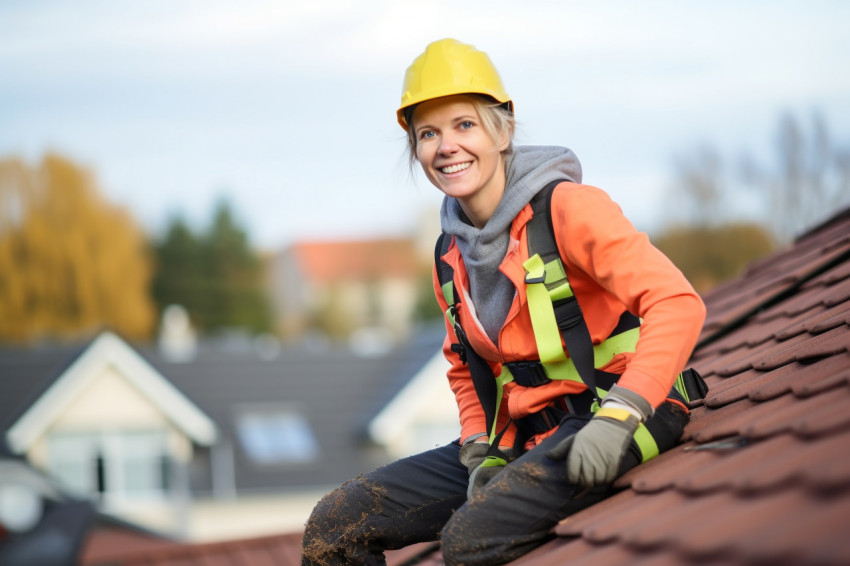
504,377
603,353
449,294
647,444
543,320
546,283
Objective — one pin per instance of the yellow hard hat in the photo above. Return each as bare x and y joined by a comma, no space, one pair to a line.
450,67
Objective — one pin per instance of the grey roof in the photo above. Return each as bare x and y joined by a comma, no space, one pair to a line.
26,373
337,391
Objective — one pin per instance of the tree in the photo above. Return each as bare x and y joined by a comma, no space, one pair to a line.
708,255
740,213
810,180
216,276
699,177
70,263
179,275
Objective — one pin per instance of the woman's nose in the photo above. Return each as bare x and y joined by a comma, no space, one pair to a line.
448,145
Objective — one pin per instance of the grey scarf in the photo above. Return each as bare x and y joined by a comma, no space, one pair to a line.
529,169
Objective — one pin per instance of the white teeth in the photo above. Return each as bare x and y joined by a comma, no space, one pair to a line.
456,168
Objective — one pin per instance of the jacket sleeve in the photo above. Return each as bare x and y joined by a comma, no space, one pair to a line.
595,236
472,420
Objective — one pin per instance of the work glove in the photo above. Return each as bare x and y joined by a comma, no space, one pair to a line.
482,468
593,455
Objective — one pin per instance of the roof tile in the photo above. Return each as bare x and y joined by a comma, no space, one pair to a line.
733,425
724,391
575,524
771,420
807,536
830,371
715,534
806,347
726,473
701,420
829,418
610,525
669,468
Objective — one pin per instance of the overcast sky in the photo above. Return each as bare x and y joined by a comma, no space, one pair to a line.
288,108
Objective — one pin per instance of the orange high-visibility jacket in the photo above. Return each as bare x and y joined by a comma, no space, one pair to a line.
611,268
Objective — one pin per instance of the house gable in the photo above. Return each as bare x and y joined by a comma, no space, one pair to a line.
109,358
422,415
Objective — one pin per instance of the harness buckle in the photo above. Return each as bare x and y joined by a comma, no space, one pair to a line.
528,373
460,347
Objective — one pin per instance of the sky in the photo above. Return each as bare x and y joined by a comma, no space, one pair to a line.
287,108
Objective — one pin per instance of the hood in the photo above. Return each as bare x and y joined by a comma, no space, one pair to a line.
529,169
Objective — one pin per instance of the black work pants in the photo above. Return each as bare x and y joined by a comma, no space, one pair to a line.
423,498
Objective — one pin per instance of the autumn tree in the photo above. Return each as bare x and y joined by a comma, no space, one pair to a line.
215,275
70,262
709,255
738,212
806,180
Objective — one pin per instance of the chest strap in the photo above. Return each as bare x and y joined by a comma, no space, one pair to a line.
556,314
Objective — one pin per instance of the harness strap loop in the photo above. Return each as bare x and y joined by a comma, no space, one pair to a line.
646,443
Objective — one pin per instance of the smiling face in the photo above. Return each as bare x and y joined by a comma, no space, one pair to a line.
459,156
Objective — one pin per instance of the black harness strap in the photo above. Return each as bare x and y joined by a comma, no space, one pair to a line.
482,376
571,323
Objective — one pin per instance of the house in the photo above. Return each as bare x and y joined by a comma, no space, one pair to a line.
234,441
346,285
102,421
421,416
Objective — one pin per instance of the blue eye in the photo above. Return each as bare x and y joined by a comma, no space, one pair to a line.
466,124
425,134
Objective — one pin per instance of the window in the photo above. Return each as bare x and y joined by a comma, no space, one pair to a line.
73,461
129,464
275,435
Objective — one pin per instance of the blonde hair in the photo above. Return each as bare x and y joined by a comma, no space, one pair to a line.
496,119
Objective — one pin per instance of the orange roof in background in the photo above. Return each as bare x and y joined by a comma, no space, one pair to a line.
106,544
332,261
103,549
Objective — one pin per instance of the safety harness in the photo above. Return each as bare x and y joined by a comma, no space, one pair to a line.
555,315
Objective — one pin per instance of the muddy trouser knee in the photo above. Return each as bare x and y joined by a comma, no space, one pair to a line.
516,511
403,503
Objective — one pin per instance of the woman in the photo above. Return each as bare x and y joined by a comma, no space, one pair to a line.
496,492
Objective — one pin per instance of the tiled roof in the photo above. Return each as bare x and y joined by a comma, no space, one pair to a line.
335,390
763,474
333,261
281,550
109,540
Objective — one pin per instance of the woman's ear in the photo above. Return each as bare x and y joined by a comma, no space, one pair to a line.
504,140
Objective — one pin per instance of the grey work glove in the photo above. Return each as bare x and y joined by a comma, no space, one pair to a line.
594,453
482,468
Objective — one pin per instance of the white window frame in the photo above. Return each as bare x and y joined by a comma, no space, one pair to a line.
111,445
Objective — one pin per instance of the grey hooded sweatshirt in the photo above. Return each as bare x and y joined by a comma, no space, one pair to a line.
529,169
